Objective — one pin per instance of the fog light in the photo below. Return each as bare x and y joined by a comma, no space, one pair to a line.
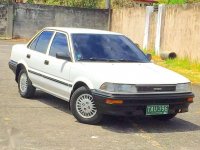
190,99
113,101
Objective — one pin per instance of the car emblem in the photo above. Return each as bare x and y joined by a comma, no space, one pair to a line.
157,89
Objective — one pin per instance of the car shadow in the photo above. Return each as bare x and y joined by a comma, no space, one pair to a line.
52,101
147,125
125,124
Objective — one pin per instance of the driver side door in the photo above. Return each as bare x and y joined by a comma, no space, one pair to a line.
58,69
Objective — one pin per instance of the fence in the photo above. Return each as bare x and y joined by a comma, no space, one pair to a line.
168,28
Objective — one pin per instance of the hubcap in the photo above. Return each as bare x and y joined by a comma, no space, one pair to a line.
85,106
23,82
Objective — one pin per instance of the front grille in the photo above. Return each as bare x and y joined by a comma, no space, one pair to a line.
155,88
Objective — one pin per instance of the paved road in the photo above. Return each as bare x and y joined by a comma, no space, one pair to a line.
45,123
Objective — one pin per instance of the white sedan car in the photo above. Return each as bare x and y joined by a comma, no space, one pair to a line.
98,72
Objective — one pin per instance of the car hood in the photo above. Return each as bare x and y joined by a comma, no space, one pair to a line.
131,73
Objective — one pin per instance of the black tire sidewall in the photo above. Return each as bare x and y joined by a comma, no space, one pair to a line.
95,119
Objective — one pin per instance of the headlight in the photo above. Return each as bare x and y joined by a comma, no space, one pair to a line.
118,88
183,87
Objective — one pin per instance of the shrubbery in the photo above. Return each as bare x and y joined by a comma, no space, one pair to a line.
70,3
178,1
97,3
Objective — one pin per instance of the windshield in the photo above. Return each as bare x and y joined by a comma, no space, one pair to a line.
106,47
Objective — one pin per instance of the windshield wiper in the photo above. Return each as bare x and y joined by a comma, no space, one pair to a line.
97,59
90,59
127,60
107,60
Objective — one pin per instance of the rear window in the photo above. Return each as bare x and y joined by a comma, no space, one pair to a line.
41,43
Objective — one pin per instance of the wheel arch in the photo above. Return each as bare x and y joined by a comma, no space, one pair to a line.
77,85
20,66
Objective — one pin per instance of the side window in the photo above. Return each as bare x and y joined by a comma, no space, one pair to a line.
59,44
33,44
41,43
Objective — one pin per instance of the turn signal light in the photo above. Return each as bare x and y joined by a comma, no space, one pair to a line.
190,99
113,101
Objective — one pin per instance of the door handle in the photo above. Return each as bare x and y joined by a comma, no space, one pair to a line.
46,62
28,56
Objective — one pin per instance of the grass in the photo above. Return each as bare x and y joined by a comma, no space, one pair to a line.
185,67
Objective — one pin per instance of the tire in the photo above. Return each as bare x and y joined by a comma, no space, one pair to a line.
26,89
164,117
83,107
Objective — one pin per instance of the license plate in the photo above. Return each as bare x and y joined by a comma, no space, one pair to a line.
157,109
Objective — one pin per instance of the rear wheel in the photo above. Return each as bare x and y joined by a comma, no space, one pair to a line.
83,107
26,89
164,117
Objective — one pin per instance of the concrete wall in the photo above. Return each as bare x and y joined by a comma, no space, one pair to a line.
181,30
6,21
28,19
3,20
129,21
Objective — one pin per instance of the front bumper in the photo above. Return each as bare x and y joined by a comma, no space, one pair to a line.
136,104
12,65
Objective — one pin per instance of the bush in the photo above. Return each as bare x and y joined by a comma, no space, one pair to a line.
6,1
177,1
70,3
122,3
172,1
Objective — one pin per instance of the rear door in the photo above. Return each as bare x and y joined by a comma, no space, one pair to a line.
35,58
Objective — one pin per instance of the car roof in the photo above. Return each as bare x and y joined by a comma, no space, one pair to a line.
81,30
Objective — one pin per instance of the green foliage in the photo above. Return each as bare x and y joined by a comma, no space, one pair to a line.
30,1
172,1
177,1
71,3
130,3
193,1
184,66
6,1
122,3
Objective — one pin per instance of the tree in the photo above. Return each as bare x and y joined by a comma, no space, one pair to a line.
130,3
172,1
70,3
122,3
6,1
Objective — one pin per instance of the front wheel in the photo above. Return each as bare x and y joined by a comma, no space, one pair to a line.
164,117
83,107
26,89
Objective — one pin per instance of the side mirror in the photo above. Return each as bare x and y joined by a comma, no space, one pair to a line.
136,44
64,56
149,57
